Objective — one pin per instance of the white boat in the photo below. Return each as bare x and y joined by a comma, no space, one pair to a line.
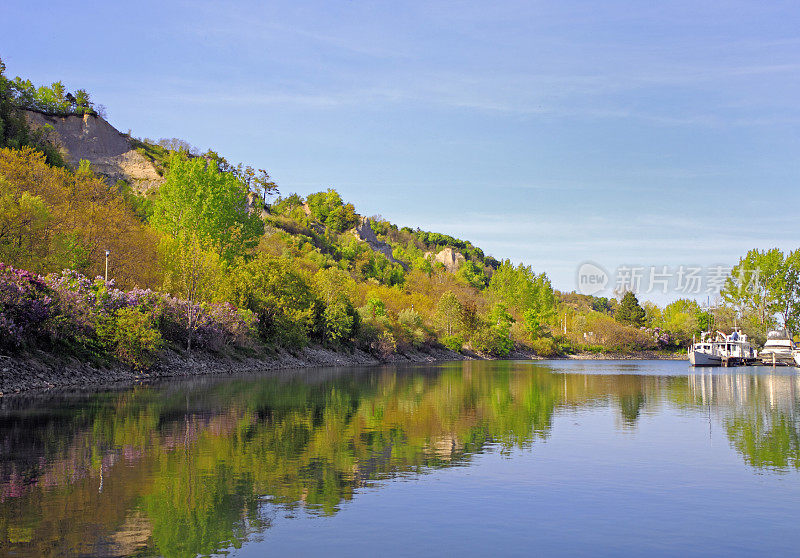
779,349
724,350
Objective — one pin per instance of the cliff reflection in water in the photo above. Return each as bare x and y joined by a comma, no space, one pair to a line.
186,468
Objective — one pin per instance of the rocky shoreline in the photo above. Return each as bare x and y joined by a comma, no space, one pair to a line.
637,355
44,371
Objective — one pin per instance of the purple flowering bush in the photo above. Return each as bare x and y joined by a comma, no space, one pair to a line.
215,325
93,317
662,338
75,319
27,303
226,325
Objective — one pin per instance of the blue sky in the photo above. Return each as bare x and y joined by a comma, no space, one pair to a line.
623,133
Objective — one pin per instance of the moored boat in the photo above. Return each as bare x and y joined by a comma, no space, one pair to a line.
724,350
779,349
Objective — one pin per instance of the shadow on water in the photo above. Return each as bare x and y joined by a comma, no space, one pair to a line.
181,468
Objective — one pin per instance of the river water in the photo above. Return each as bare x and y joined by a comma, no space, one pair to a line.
590,458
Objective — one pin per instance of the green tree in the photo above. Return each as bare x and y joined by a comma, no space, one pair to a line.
278,294
449,312
203,213
339,320
329,209
530,294
757,286
602,304
789,291
471,274
257,181
629,312
411,325
197,200
192,271
705,320
53,98
82,99
653,314
495,339
541,310
681,319
424,265
14,130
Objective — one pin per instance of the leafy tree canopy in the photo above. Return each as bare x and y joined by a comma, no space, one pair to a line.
329,209
766,283
197,199
529,293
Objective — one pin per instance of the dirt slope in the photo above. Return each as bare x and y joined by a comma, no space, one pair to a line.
95,140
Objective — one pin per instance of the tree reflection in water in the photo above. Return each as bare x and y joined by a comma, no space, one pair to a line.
185,468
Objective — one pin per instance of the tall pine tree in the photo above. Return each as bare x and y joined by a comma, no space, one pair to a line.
629,311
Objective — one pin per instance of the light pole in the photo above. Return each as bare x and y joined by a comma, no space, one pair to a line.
107,253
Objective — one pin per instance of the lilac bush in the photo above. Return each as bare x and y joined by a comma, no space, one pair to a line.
215,326
231,325
88,316
76,319
26,305
661,337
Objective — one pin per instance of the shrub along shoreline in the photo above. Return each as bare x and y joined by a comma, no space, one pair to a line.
92,320
65,329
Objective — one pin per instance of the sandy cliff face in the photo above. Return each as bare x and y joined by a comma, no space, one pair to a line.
449,258
95,140
365,233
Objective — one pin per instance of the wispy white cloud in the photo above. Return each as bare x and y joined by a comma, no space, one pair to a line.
601,96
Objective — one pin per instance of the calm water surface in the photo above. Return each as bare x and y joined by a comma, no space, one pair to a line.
475,458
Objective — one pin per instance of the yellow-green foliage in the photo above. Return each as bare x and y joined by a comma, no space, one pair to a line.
24,219
210,237
616,336
681,318
329,209
278,293
198,200
67,219
337,290
132,337
545,347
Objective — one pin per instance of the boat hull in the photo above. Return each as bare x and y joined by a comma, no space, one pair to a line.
697,358
779,359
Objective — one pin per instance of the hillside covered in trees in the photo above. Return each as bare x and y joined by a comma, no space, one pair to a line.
215,258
